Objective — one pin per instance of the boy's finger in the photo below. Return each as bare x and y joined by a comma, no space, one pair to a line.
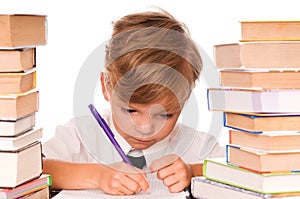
125,191
136,175
141,180
162,162
130,186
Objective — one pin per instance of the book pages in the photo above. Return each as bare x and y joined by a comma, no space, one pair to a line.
158,190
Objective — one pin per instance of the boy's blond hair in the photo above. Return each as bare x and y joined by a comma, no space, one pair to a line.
150,57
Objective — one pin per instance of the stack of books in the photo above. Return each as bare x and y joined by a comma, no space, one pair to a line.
20,145
259,95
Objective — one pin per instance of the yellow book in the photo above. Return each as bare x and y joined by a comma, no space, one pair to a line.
16,83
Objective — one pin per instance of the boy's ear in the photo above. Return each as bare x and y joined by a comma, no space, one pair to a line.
103,86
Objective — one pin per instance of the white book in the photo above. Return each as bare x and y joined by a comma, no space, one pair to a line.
203,188
17,142
16,127
217,169
21,165
246,100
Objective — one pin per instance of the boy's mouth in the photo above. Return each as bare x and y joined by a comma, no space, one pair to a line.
143,141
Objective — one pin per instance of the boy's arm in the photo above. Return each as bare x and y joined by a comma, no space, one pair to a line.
118,179
67,175
196,169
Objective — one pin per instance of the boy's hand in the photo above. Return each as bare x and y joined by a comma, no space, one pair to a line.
123,179
173,171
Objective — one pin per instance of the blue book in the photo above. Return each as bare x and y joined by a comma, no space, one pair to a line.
260,122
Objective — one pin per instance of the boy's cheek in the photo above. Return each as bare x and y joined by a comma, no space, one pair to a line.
125,125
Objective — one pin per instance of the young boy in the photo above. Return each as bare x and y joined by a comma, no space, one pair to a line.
151,68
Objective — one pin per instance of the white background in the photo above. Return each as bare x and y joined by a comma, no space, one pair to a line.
76,28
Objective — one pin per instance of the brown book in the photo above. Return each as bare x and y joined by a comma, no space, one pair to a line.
20,166
268,141
268,79
17,83
283,54
14,60
257,123
40,194
270,30
263,161
17,106
22,30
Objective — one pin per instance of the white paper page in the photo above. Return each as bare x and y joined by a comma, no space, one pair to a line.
158,190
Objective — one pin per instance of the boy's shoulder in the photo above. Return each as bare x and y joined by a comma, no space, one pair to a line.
84,121
185,129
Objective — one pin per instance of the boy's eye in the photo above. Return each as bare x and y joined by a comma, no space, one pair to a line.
166,115
128,110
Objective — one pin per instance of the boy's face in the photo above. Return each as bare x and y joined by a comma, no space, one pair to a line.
142,125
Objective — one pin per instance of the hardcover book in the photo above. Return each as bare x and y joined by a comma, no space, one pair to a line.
259,122
16,106
253,101
40,194
217,169
279,54
15,127
267,79
22,30
203,188
271,30
21,165
262,161
22,140
16,60
28,189
267,141
17,82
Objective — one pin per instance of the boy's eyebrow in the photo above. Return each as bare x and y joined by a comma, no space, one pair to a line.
170,111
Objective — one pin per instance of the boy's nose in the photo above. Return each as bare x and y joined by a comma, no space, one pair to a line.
145,129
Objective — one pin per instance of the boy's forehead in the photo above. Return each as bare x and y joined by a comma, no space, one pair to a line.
163,104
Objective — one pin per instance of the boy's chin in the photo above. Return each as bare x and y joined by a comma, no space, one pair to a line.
141,146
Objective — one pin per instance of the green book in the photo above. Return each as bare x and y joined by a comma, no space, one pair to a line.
217,169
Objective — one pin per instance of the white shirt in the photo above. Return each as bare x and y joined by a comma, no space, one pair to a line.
82,140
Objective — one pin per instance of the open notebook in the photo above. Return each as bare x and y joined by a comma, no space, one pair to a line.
158,190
